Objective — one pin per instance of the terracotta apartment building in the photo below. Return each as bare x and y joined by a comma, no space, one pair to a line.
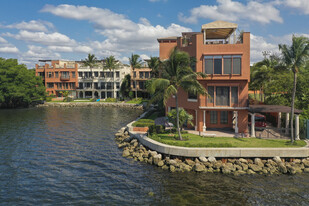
226,61
58,76
140,76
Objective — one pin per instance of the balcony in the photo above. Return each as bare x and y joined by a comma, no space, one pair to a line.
64,78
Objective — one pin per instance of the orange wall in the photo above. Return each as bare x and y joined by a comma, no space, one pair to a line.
165,48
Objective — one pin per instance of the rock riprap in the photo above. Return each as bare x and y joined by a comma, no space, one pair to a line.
133,149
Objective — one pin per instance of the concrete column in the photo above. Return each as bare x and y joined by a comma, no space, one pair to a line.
236,122
234,37
252,125
287,121
204,36
297,127
84,93
204,122
195,120
279,120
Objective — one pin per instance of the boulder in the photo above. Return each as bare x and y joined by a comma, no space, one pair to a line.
160,163
306,170
203,159
190,162
238,167
239,172
125,153
157,158
244,166
140,158
306,163
277,159
199,168
242,160
212,159
150,160
250,172
165,167
133,141
152,153
172,168
291,169
298,161
128,139
172,162
184,167
255,167
258,162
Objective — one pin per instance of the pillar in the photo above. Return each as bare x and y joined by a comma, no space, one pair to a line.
287,121
204,36
236,122
204,121
195,120
252,125
234,37
84,93
297,127
279,120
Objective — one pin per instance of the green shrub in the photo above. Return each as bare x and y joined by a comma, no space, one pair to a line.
160,129
143,123
92,100
111,99
152,129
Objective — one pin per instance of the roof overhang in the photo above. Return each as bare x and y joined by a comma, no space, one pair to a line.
219,29
272,108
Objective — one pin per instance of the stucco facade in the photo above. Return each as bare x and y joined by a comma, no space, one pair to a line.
226,61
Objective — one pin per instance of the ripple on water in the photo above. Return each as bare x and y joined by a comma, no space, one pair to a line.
63,156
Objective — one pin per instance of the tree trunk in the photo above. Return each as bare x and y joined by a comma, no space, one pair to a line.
292,106
177,117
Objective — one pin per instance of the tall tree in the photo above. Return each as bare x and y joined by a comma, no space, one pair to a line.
177,74
18,85
135,62
111,64
154,65
90,61
295,57
125,87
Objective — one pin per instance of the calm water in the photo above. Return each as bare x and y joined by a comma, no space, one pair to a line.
67,156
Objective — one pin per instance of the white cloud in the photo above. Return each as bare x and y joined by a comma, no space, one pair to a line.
9,49
144,56
286,39
302,5
229,10
35,53
42,38
32,25
257,45
2,40
122,34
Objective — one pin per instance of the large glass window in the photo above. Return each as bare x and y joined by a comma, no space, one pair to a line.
236,64
227,64
222,96
103,85
117,74
192,95
218,65
109,85
210,98
80,85
224,117
213,117
209,65
80,74
234,98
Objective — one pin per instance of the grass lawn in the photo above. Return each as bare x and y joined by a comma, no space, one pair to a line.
137,101
192,140
146,121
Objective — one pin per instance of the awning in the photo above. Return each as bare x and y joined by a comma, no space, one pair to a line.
272,108
219,29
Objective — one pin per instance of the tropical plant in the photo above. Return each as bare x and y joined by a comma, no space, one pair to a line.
154,65
184,117
90,61
125,87
65,94
176,75
111,64
18,85
295,57
135,62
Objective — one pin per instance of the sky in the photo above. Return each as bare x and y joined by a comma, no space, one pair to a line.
70,29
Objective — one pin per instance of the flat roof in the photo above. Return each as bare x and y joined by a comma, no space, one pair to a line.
168,38
272,108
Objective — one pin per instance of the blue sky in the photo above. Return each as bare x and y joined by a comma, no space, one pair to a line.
58,29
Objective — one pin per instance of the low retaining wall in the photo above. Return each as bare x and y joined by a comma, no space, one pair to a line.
301,152
90,104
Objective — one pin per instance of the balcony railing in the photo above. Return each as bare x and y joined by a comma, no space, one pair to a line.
64,78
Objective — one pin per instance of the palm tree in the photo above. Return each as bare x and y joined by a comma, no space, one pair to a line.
294,57
90,61
154,65
177,74
111,64
135,62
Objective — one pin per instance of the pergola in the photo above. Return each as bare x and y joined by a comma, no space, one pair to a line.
275,109
219,30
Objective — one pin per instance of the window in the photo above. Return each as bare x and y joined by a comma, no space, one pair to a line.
80,74
117,74
88,85
50,74
209,65
146,75
210,98
80,85
227,64
65,74
66,85
96,74
192,96
109,94
50,85
73,74
231,64
218,65
109,85
59,86
96,85
224,117
101,74
236,64
222,96
103,85
111,74
117,85
234,95
134,74
141,75
213,117
141,85
57,74
134,84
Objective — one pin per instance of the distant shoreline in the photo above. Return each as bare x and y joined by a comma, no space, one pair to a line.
90,104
